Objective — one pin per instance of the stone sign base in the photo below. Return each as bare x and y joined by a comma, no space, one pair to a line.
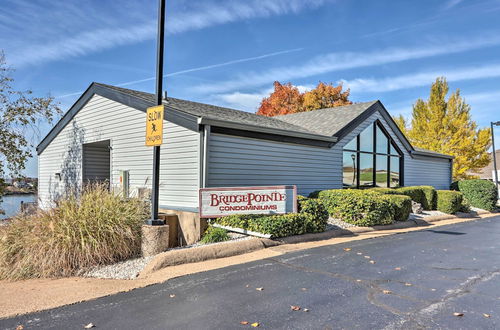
154,239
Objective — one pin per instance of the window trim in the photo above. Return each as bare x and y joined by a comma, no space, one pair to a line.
391,142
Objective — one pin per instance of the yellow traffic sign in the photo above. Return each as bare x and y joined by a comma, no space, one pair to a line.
154,125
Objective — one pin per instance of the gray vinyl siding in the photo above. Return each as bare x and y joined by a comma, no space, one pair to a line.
239,161
103,119
432,171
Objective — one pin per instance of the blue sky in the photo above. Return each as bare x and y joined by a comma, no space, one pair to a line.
230,52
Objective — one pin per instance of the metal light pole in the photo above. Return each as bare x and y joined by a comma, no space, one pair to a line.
494,154
159,86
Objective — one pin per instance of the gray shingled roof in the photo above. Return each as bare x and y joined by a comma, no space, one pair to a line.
327,121
216,112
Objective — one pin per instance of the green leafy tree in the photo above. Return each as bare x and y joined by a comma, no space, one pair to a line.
20,115
445,126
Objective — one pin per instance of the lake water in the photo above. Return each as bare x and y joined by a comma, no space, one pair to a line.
11,204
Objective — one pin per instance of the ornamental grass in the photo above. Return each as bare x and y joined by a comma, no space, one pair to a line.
96,228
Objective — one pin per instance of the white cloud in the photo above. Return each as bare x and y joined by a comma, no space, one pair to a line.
342,61
451,3
34,32
195,69
394,83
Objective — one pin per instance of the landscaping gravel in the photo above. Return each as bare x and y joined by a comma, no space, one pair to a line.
337,224
425,214
125,270
130,269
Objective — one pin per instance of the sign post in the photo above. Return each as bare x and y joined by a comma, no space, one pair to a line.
154,111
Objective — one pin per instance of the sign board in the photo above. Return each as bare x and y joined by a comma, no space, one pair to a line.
154,125
218,202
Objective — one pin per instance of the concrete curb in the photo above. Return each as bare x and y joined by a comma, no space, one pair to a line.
202,253
229,249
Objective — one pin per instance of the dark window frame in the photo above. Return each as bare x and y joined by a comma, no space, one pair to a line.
374,153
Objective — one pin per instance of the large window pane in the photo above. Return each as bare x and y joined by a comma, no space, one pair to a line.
382,142
381,173
393,150
394,179
366,170
349,169
352,145
366,139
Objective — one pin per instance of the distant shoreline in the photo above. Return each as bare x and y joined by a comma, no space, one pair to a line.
19,193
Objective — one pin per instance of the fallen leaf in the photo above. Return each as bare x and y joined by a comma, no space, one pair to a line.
306,310
486,315
89,326
347,249
244,322
259,289
172,296
372,262
20,327
458,314
255,325
367,257
387,291
408,284
397,268
295,308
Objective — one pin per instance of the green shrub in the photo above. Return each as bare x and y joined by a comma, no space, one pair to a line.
430,196
358,207
387,191
401,206
312,218
416,194
97,228
478,193
279,225
449,201
214,235
318,214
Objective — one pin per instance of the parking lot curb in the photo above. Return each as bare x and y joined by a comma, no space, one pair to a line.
229,249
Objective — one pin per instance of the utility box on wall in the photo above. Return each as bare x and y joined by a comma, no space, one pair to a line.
124,183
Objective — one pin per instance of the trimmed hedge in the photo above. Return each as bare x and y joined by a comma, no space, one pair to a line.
417,194
279,225
430,195
478,193
318,214
401,206
449,201
312,218
358,207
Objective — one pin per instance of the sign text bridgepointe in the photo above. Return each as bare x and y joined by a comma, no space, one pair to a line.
154,125
218,202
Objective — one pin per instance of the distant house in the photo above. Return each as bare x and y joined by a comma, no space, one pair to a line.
487,171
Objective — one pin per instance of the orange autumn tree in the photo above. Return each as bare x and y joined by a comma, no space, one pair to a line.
286,99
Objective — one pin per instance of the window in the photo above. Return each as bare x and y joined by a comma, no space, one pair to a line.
366,139
372,159
350,169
